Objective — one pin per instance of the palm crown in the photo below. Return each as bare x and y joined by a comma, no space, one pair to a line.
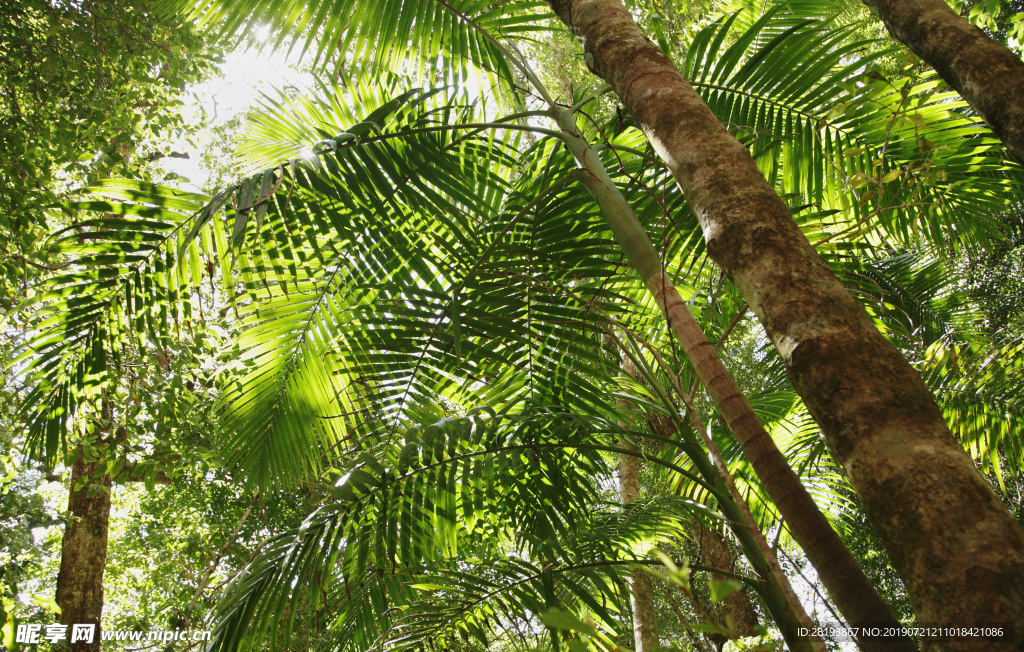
430,311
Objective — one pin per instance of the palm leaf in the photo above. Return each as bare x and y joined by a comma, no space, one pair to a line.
130,281
833,127
389,544
410,35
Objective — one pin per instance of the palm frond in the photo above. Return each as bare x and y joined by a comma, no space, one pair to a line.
415,36
385,553
131,281
978,389
826,126
915,298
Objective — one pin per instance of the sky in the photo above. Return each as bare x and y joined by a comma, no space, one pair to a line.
245,75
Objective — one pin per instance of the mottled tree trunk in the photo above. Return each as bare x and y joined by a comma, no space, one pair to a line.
645,617
84,550
986,73
957,548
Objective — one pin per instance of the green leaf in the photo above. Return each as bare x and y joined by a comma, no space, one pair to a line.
722,589
566,621
423,586
892,175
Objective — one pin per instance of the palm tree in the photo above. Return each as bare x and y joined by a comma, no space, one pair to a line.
422,267
878,414
986,73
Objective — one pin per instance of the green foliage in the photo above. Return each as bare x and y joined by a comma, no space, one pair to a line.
91,89
125,288
877,158
381,35
992,276
389,553
21,511
1001,19
424,315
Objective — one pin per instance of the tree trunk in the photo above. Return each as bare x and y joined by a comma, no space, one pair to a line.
853,592
985,73
742,524
645,617
735,611
84,551
957,548
849,586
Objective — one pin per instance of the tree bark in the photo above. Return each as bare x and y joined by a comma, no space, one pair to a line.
743,525
853,592
735,611
984,72
645,616
84,551
957,548
850,588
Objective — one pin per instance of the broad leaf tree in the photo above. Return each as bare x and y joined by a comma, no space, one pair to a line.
431,309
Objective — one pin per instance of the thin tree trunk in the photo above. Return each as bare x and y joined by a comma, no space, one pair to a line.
735,611
853,592
84,551
766,555
984,72
740,521
957,548
645,617
778,596
849,586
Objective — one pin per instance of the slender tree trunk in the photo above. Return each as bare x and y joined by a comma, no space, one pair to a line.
645,617
735,611
957,548
84,551
986,73
852,591
777,594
